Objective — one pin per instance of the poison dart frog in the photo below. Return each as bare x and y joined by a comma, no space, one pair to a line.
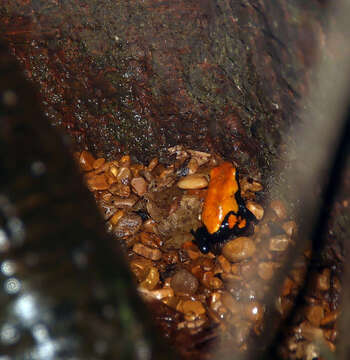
224,213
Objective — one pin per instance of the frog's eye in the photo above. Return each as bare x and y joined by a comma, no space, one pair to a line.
232,220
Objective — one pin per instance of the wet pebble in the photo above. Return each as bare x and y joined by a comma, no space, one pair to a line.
239,249
266,270
128,225
98,163
147,252
97,182
124,203
151,279
139,185
323,280
290,227
191,306
279,209
256,209
254,311
195,181
279,243
183,282
120,189
314,314
86,161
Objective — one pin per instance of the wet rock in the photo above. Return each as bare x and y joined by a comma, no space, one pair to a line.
97,182
191,306
290,227
266,270
124,203
151,279
158,294
147,252
256,209
314,314
116,217
279,209
139,185
323,280
239,249
254,311
195,181
183,282
128,225
86,161
120,190
279,243
98,163
124,175
140,267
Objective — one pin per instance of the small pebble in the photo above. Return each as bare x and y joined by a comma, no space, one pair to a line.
116,217
254,311
120,189
290,227
97,182
330,318
151,279
86,161
193,306
149,253
256,209
279,243
158,294
183,282
323,280
124,203
124,175
153,163
139,185
98,163
266,270
239,249
314,314
279,209
193,182
128,225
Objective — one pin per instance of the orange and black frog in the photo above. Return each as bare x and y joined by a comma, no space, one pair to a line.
224,213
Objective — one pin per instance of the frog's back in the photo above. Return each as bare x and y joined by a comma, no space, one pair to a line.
220,199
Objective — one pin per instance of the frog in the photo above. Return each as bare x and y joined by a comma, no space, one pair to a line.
224,213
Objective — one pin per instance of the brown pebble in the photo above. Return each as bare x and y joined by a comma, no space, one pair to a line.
98,163
225,264
195,181
211,281
290,227
151,240
97,182
124,175
149,253
151,279
266,270
86,161
140,267
116,217
231,304
279,243
279,209
256,209
192,166
330,318
113,170
159,294
239,249
171,257
193,306
314,314
150,226
120,189
323,280
153,163
200,156
124,203
125,160
183,282
254,311
250,185
288,286
139,185
128,225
